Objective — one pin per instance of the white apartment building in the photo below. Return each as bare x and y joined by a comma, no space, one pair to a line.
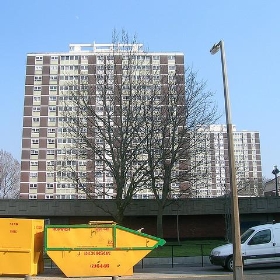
214,164
49,157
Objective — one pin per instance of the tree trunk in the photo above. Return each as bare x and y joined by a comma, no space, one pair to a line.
177,227
159,221
119,217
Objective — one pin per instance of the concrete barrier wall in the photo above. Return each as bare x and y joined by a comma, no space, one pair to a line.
84,208
194,218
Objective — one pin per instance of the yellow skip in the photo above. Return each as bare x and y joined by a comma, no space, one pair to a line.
98,248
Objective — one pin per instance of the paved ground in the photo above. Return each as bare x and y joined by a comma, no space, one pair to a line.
177,272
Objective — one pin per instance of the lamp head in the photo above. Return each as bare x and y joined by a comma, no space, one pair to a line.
275,171
215,48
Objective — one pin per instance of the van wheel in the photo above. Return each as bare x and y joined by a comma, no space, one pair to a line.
229,263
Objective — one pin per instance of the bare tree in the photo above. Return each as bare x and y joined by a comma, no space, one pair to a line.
104,116
265,180
249,187
135,124
174,140
9,176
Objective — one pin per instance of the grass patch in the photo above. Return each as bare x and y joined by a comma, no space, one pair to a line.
187,248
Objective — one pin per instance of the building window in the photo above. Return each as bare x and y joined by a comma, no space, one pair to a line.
100,67
38,67
34,152
51,141
69,67
35,141
38,58
51,130
35,130
52,98
37,88
50,152
36,98
50,185
50,163
110,57
37,78
54,57
53,88
48,196
34,163
35,119
82,163
53,119
53,78
36,109
33,174
50,174
52,109
84,78
69,57
32,196
33,186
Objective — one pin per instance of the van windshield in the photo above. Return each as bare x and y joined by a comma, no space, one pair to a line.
246,235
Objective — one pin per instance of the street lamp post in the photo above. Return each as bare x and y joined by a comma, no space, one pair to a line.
275,171
236,241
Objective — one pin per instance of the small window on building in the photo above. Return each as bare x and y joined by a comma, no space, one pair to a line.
35,119
36,98
50,152
33,174
51,141
35,130
37,78
36,109
52,119
35,141
34,152
53,88
37,88
52,109
51,130
50,185
50,163
53,77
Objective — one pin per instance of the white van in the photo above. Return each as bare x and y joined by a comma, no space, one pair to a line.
259,245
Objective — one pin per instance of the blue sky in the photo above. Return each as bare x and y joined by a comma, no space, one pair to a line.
250,30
